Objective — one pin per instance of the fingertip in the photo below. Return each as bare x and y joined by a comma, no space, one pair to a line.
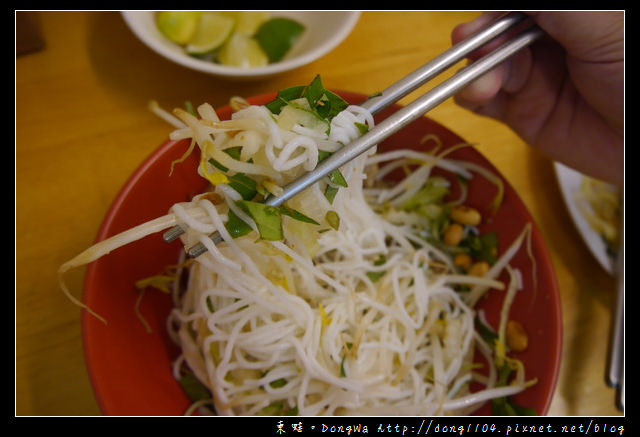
463,30
483,89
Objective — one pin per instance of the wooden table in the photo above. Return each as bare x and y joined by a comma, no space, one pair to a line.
82,128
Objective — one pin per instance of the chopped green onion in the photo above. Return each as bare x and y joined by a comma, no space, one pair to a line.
333,219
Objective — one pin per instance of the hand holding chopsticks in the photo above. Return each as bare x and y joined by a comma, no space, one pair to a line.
412,111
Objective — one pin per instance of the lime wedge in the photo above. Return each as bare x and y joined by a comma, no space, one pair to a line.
248,22
242,51
212,31
277,35
178,26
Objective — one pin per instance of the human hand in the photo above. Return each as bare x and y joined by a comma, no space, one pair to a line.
563,95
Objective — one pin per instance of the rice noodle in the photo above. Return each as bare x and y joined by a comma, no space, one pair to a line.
299,323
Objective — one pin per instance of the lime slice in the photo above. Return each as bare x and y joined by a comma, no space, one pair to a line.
242,51
248,22
277,35
178,26
212,31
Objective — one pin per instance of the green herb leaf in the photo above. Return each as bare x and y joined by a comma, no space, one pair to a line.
482,247
281,382
322,101
326,103
297,215
217,165
189,107
291,412
330,193
243,184
236,226
505,406
375,276
337,178
233,152
194,389
268,219
486,333
323,154
209,304
284,97
273,409
362,128
277,35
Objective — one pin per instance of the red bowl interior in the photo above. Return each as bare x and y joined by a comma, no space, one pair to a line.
130,368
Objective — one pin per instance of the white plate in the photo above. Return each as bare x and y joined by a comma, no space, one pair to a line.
569,181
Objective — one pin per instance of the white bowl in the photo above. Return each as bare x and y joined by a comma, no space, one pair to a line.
324,30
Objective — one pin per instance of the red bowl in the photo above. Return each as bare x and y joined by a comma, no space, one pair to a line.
130,368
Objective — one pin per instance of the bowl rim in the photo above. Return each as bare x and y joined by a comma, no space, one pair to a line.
543,259
212,68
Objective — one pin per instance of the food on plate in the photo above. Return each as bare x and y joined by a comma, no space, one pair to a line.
346,300
234,38
600,204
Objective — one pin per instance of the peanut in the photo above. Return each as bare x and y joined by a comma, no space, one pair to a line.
466,215
479,269
516,336
453,234
463,261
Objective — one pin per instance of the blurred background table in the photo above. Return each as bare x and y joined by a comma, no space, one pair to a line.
82,127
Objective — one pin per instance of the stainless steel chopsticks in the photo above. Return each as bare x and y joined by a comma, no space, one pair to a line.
414,110
615,371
